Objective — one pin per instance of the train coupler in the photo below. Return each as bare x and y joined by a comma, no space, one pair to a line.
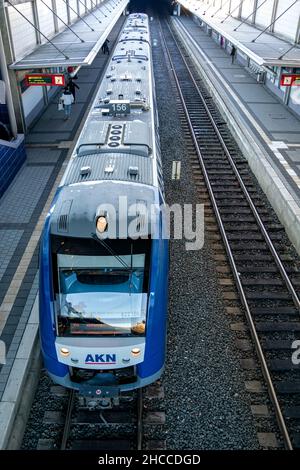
95,397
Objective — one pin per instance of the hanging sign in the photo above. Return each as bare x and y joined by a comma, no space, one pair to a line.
289,80
45,79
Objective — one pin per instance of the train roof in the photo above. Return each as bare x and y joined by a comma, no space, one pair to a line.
116,144
116,151
72,216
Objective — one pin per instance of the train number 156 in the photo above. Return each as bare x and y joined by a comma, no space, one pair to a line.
119,108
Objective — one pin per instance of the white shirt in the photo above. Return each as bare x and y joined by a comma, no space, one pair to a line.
67,99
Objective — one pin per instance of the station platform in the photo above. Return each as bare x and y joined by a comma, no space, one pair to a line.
265,49
23,209
267,132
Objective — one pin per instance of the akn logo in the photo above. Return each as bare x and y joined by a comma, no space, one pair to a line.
100,359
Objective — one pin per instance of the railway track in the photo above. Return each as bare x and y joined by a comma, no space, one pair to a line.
99,425
265,271
136,422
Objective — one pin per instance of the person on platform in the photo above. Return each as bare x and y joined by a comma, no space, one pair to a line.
67,100
105,48
233,53
73,87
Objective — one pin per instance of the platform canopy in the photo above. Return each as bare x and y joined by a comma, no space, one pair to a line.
263,48
79,44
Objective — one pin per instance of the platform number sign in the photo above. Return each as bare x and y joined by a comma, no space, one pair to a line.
290,80
119,107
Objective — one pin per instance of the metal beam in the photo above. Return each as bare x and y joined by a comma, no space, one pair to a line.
105,6
68,13
37,29
206,10
297,35
36,22
271,24
78,8
8,95
53,2
222,5
95,7
17,2
48,57
288,50
101,11
230,14
255,8
253,13
66,25
240,10
77,13
12,89
9,32
274,13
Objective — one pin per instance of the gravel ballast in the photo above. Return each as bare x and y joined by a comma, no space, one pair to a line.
206,404
205,399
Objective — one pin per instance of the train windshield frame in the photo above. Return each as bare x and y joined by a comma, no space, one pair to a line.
100,290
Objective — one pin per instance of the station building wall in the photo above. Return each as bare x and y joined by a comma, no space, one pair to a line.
12,154
12,157
25,38
287,27
3,113
3,109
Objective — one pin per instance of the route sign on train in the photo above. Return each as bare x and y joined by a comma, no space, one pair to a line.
45,79
290,79
119,107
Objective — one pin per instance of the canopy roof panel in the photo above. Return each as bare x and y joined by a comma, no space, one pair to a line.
68,48
262,47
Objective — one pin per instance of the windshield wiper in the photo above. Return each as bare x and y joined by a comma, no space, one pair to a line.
113,253
131,270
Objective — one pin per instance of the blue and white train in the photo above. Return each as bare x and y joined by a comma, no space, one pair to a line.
104,266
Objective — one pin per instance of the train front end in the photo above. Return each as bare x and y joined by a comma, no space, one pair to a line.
103,300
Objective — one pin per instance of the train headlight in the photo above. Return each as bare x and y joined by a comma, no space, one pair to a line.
135,352
64,352
101,224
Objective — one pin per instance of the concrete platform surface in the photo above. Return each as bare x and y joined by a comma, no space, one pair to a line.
23,208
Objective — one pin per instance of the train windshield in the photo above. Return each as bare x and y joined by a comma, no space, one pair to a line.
102,292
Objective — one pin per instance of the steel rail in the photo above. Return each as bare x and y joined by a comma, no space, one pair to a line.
139,418
139,425
258,219
254,334
67,426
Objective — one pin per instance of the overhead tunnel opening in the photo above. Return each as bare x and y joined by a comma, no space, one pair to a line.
152,7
